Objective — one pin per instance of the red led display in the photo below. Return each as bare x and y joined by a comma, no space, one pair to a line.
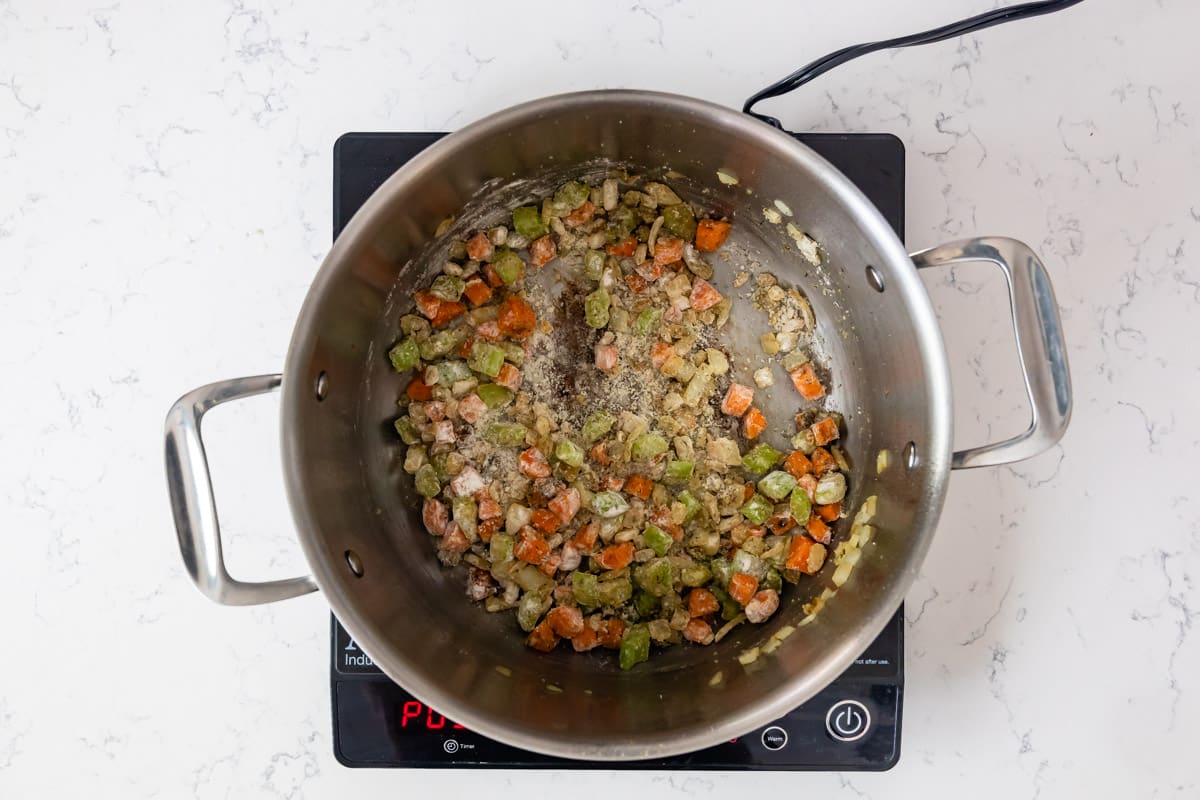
420,716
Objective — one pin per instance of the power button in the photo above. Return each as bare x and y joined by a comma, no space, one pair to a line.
847,720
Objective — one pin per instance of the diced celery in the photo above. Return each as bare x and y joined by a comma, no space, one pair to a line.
647,605
531,579
500,548
513,352
593,264
531,608
450,372
466,514
648,320
694,575
426,481
568,453
729,607
505,434
722,570
750,564
831,488
647,446
516,516
415,458
494,395
800,505
760,459
615,592
621,222
586,587
655,576
609,504
570,196
635,646
405,355
441,343
777,485
458,250
680,221
805,442
486,358
440,465
597,425
691,504
412,323
508,265
447,287
657,539
773,580
679,471
527,221
407,430
595,308
757,509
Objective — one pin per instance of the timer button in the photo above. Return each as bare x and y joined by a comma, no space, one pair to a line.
847,720
774,738
450,746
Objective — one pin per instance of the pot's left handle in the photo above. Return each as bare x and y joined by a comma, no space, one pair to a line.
195,507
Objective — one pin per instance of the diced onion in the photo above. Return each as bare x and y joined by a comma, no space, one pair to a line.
842,573
748,657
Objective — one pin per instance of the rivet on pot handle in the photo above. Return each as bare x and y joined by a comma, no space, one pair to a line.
194,506
1040,344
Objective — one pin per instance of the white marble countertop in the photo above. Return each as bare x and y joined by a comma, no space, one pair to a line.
165,200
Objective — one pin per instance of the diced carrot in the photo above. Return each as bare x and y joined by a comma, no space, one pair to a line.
509,377
659,353
427,304
489,331
625,247
616,556
747,491
599,454
667,250
542,251
585,537
613,483
492,277
516,317
639,486
797,464
702,602
487,529
804,555
704,296
817,529
636,283
781,521
530,546
550,565
710,234
825,431
546,521
742,587
822,461
610,632
418,389
806,382
488,508
649,270
464,349
477,292
533,464
448,312
698,631
471,408
586,640
753,423
737,399
606,356
566,504
479,247
581,214
809,484
435,516
567,621
543,637
829,512
454,540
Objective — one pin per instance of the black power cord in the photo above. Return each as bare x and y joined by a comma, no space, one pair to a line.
822,65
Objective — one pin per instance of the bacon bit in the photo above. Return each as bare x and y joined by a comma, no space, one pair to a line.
509,377
585,537
487,529
822,461
530,546
427,303
435,411
753,423
698,631
533,464
809,484
737,399
471,408
448,312
616,556
418,389
454,541
610,632
762,606
817,529
550,565
829,512
477,292
710,234
637,284
542,251
797,464
443,432
747,491
613,484
659,353
781,521
806,382
624,248
667,250
567,621
676,266
599,454
566,504
742,587
580,215
704,296
639,486
606,356
702,602
464,349
661,516
492,277
649,270
489,331
435,516
546,521
825,431
543,637
516,317
586,640
479,247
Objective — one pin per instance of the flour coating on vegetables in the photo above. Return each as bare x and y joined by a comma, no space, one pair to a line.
571,422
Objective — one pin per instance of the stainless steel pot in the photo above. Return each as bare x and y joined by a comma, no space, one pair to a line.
357,517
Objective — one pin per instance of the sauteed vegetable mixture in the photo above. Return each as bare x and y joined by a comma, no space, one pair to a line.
583,450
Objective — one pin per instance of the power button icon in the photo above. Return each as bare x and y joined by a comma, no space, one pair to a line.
847,720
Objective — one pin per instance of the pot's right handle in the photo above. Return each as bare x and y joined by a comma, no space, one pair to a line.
195,507
1038,331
